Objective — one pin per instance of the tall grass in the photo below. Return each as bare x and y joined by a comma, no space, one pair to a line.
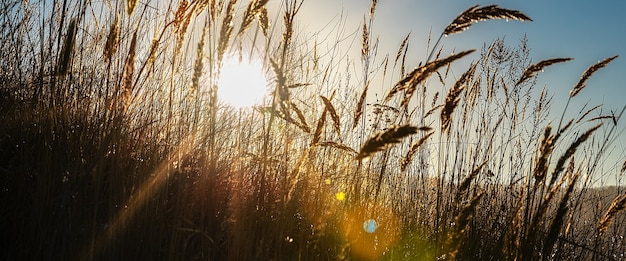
115,145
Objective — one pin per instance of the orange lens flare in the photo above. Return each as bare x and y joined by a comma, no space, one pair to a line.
370,233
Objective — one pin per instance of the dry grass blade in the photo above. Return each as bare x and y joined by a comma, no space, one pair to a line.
404,163
618,204
320,125
542,102
333,114
531,70
337,146
590,71
381,140
67,49
623,167
410,82
110,46
452,99
587,113
403,63
602,117
476,14
359,106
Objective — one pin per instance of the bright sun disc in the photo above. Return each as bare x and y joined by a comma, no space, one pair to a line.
241,84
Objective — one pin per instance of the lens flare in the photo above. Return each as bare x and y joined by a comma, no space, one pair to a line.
340,196
370,239
370,226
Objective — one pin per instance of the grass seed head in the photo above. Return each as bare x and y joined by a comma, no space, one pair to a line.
531,70
590,71
67,49
404,163
618,204
110,46
383,139
476,14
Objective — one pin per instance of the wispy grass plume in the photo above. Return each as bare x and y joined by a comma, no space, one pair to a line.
129,71
618,204
333,115
317,135
590,71
383,139
404,163
476,14
255,9
336,145
226,30
452,99
67,49
110,46
360,106
531,70
410,83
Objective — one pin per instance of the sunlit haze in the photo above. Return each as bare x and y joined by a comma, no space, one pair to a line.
241,83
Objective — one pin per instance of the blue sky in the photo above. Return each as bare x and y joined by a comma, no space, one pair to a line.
587,31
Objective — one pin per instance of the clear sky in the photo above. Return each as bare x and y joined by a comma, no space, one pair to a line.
587,31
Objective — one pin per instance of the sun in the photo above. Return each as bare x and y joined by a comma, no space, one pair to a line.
242,83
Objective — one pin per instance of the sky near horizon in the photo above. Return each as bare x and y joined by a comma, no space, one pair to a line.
584,30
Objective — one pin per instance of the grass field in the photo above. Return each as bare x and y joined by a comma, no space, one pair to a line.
115,143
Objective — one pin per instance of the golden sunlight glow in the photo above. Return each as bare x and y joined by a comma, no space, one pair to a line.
340,196
241,84
370,233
